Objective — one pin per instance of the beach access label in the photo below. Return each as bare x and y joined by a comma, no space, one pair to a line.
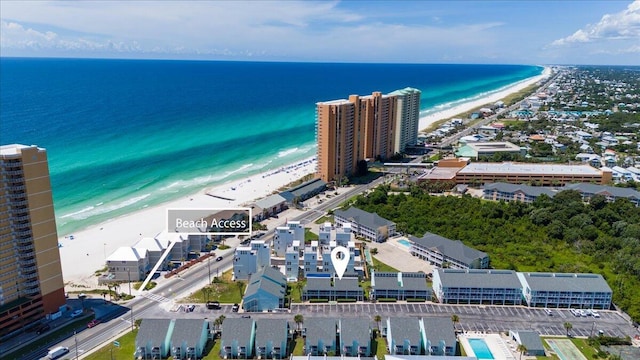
230,221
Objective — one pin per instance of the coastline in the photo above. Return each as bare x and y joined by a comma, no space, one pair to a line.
83,253
428,120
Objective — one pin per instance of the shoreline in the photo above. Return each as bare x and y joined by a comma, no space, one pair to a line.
428,120
85,251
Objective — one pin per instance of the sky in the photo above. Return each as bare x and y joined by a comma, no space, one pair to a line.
483,32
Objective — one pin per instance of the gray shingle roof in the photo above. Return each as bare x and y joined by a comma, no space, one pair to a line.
325,284
389,281
357,329
597,189
439,328
472,278
454,249
274,330
531,340
303,189
153,331
270,201
405,328
236,329
566,282
269,280
187,330
364,218
526,189
320,328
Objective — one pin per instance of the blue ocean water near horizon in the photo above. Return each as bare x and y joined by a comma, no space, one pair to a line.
122,135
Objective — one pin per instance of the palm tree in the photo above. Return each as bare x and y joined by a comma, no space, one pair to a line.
455,319
299,319
377,319
206,291
568,327
218,322
521,349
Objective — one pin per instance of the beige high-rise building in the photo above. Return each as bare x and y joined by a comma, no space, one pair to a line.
360,128
31,284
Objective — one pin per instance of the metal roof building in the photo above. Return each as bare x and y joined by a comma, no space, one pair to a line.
188,339
271,338
439,250
586,291
539,174
238,335
530,339
440,336
405,336
368,225
355,337
320,335
152,340
474,286
400,286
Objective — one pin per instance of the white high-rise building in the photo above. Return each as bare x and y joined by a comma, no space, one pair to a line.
407,118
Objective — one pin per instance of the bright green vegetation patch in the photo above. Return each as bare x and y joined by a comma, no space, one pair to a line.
298,350
379,347
559,235
294,291
309,236
126,349
587,350
212,353
379,266
324,219
222,289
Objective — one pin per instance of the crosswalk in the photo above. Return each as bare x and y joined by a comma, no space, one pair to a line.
156,297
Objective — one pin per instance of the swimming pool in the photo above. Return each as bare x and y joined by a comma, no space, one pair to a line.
405,242
480,349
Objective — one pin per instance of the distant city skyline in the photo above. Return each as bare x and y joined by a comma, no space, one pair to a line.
505,32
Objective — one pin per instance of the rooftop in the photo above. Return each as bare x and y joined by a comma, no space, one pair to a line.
358,329
363,218
152,331
399,281
453,249
270,201
493,146
566,282
439,328
604,190
239,329
528,168
126,253
474,278
188,331
271,330
320,329
405,329
525,189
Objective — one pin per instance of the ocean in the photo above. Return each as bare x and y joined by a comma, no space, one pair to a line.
122,135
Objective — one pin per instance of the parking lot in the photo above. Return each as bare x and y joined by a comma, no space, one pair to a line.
483,318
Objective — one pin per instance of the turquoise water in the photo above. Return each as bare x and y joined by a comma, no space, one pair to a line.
481,349
122,135
405,242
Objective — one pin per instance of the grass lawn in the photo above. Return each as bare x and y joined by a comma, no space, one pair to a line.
223,290
382,267
324,219
587,350
379,347
295,291
212,353
125,351
309,236
298,350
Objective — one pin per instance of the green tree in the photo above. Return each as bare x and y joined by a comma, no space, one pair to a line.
298,319
521,349
377,319
567,326
455,319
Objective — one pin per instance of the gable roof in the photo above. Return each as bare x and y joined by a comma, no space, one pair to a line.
526,189
152,331
320,329
406,329
450,248
530,339
271,330
364,218
270,201
268,280
188,331
127,253
597,189
239,329
474,278
439,329
399,281
358,329
303,189
565,282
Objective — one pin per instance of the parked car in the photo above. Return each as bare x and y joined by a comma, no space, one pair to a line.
213,305
190,308
219,258
235,308
548,312
93,323
43,329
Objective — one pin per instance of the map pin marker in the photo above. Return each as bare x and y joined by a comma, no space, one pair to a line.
340,259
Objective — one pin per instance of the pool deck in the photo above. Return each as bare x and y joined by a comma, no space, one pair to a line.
499,346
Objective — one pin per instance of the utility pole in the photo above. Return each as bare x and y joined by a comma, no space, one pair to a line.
75,336
131,319
209,267
129,272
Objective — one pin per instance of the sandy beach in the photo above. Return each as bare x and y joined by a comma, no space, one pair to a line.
84,252
426,121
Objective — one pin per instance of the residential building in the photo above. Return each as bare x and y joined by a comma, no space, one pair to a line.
127,264
271,338
284,236
372,227
566,290
352,130
341,235
407,118
154,249
478,150
292,261
538,174
444,252
268,206
399,286
310,259
515,192
266,291
189,338
321,334
355,337
405,336
531,341
471,286
153,339
31,283
298,194
332,290
250,259
238,338
611,193
440,338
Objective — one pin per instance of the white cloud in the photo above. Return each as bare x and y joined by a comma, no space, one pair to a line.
622,25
